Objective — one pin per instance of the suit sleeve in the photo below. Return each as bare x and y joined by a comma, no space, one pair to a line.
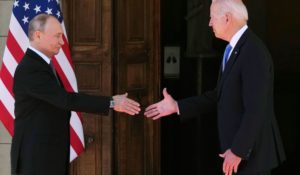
194,106
256,76
41,85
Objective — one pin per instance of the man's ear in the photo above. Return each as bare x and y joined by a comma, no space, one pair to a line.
37,35
228,16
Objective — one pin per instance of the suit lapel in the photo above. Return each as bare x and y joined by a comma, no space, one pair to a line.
232,59
31,54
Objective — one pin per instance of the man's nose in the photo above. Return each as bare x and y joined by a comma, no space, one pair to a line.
209,23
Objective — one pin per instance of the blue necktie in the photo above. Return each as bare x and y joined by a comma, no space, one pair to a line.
226,56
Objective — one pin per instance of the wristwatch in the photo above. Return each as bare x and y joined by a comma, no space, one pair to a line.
111,103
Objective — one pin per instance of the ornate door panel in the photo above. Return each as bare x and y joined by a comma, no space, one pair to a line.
89,27
137,62
113,56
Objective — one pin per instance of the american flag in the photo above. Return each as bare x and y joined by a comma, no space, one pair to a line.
17,42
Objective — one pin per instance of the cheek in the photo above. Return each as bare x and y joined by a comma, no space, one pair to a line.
219,26
53,42
48,42
45,44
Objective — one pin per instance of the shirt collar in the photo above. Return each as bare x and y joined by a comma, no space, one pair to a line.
45,58
237,36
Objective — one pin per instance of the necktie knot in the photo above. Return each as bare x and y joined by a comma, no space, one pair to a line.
226,56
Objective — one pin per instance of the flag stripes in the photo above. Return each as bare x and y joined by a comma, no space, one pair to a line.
16,45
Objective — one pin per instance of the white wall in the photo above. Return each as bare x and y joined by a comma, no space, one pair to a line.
5,138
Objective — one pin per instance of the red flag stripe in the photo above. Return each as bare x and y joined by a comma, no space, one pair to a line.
75,142
6,119
67,69
13,45
18,32
62,76
79,116
9,61
7,79
66,50
6,99
76,123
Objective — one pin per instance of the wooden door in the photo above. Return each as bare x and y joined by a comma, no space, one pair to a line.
89,27
137,44
115,48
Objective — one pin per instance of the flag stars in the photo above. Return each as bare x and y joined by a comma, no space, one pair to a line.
37,9
49,11
26,6
25,19
58,14
16,4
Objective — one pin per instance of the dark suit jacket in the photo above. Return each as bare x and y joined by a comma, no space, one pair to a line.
40,144
244,99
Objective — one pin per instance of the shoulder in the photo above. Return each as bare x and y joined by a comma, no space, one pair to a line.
30,64
31,61
254,54
253,48
254,43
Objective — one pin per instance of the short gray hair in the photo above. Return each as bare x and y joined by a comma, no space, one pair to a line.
37,24
236,7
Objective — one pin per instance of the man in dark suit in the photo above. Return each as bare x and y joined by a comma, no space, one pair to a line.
40,144
248,131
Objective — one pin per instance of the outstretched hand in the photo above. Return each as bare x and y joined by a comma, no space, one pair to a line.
124,104
163,108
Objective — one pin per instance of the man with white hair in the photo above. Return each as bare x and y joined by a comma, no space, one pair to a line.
248,131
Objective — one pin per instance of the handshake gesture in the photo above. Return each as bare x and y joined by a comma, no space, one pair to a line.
126,105
165,107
